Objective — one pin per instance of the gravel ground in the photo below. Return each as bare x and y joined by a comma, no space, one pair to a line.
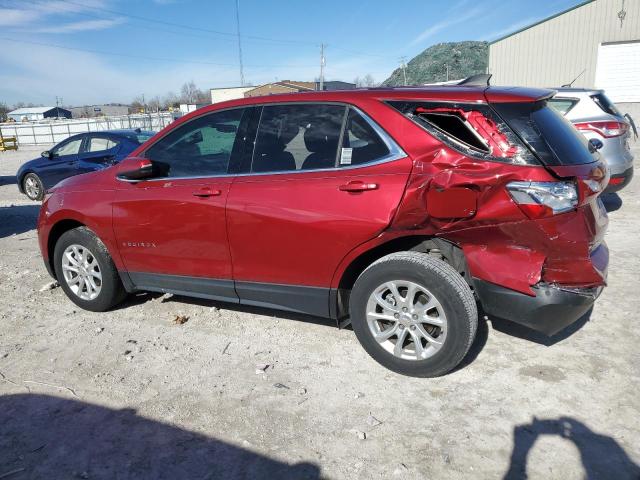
133,394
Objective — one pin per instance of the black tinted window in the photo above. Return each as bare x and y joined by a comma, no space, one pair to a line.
361,143
298,137
550,135
199,148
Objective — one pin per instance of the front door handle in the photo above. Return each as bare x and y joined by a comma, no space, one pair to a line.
207,192
358,186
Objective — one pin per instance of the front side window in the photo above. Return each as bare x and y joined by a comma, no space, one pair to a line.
201,147
298,137
98,144
69,148
361,143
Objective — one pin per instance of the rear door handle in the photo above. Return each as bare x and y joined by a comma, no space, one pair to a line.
358,186
207,192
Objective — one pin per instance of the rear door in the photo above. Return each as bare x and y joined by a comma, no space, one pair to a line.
324,178
98,151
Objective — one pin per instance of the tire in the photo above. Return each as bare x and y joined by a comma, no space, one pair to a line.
438,303
90,280
32,187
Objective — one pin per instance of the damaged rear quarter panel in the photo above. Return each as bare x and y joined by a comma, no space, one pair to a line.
501,244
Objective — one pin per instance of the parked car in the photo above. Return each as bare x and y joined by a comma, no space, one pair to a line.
82,153
604,125
393,209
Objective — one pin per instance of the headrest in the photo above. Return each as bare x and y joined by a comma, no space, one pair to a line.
321,137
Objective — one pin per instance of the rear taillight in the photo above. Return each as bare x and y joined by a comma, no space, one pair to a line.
606,129
544,199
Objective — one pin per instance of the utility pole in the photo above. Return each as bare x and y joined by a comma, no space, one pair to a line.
404,68
58,101
322,64
144,105
239,42
447,67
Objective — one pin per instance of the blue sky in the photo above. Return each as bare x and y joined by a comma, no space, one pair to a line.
280,40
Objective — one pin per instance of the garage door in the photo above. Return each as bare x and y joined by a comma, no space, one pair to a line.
618,70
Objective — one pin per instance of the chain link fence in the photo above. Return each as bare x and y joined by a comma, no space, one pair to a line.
47,132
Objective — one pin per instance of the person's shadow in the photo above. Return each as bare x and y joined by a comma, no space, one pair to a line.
602,457
45,437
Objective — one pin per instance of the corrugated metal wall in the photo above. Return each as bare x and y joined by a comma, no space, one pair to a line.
555,52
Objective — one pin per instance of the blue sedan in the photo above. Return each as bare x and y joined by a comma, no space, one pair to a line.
82,153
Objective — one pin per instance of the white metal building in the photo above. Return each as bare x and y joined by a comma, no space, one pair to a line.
597,43
33,114
229,93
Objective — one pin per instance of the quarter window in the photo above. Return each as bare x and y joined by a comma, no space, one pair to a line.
298,137
361,143
201,147
98,144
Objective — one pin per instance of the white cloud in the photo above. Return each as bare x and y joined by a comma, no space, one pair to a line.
12,16
514,27
458,15
35,16
81,26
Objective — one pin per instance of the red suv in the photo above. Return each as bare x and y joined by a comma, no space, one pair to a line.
397,210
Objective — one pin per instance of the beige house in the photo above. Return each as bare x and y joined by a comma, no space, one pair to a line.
597,43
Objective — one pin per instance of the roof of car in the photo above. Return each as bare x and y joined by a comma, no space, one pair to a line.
456,93
577,90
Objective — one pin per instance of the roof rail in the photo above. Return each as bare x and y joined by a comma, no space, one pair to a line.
480,80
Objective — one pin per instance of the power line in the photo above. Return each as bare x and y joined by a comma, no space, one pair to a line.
187,27
141,57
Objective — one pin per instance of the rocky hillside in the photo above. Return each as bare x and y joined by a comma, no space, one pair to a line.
464,59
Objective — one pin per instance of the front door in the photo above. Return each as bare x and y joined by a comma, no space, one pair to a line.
316,190
63,161
171,230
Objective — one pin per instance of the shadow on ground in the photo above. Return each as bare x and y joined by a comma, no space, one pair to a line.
602,457
7,179
46,437
18,219
611,201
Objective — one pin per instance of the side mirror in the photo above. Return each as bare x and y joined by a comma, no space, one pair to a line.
596,144
46,154
135,169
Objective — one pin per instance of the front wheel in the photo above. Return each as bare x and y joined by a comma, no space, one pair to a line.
33,187
414,314
86,271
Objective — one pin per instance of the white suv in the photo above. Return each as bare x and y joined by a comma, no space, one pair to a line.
605,127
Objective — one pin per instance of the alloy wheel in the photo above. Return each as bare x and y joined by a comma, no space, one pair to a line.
82,272
407,320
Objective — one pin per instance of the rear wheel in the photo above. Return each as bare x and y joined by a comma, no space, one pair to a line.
414,314
32,187
86,271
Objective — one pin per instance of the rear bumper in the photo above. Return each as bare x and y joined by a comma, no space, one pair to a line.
549,311
618,181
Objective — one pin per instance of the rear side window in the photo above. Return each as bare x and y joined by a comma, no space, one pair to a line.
98,144
298,137
201,147
472,129
360,143
562,105
605,104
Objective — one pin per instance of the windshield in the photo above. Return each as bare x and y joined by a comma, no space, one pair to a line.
547,133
